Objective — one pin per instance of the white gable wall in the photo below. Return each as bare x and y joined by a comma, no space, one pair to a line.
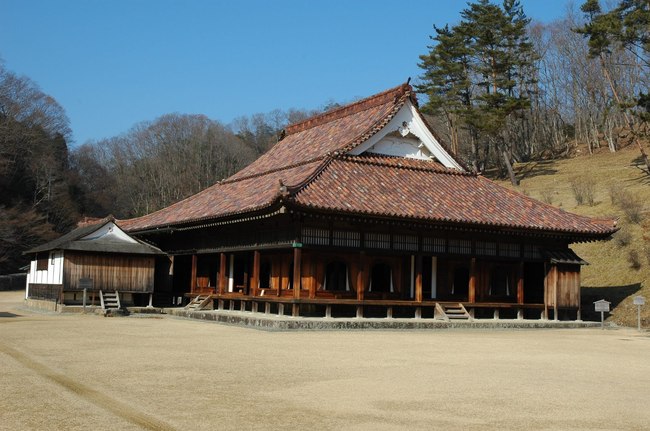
415,140
110,231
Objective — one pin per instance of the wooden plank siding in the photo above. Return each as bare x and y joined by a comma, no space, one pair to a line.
563,282
125,273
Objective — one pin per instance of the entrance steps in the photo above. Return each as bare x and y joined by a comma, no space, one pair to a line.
110,300
449,312
199,302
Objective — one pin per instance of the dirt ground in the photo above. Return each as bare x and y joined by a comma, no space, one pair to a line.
80,372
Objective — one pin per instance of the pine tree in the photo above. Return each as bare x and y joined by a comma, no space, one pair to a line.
481,72
446,78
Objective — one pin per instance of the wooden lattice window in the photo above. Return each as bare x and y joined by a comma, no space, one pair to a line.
405,242
532,252
508,249
460,246
343,238
434,245
315,236
377,240
486,248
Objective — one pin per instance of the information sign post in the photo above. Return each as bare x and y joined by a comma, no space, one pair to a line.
638,301
602,306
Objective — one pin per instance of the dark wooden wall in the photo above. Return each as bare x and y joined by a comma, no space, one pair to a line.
563,283
125,273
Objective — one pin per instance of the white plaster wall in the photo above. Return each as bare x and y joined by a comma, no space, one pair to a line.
401,147
53,274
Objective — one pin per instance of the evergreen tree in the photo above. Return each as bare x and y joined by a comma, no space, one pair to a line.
446,78
481,72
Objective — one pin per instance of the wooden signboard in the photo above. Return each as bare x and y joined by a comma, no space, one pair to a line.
86,283
602,306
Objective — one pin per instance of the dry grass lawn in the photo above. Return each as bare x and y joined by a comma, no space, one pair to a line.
611,275
80,372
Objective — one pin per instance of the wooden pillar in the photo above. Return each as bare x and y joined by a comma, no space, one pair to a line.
418,278
222,273
195,259
520,283
471,295
297,261
362,276
255,277
545,311
555,295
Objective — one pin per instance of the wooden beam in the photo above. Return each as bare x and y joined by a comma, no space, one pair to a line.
222,273
361,276
520,283
195,259
471,295
255,277
418,278
297,262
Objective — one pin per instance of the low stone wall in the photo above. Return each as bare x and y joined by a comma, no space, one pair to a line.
286,323
13,281
42,304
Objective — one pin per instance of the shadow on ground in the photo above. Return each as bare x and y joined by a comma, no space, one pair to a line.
613,294
536,169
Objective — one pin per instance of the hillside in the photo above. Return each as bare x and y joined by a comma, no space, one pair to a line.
619,269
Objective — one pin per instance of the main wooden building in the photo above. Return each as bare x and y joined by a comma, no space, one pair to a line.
362,211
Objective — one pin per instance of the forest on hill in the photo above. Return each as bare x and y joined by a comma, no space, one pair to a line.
500,89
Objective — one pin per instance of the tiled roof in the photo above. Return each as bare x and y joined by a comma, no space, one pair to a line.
310,160
229,197
338,130
417,189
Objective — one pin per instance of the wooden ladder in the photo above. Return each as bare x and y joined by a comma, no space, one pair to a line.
451,312
199,302
110,301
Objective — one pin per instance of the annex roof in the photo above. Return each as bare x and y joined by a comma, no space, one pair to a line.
325,163
104,236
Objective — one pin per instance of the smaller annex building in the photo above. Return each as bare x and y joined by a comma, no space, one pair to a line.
98,257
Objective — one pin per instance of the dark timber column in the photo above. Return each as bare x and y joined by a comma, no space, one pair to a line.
520,284
361,282
520,289
255,277
193,281
418,278
297,262
471,295
222,273
361,276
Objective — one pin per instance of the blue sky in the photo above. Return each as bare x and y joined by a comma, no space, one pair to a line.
114,63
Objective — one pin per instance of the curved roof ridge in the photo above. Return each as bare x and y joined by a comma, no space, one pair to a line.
271,171
394,93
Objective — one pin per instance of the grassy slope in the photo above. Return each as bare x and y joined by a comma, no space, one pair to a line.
610,274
